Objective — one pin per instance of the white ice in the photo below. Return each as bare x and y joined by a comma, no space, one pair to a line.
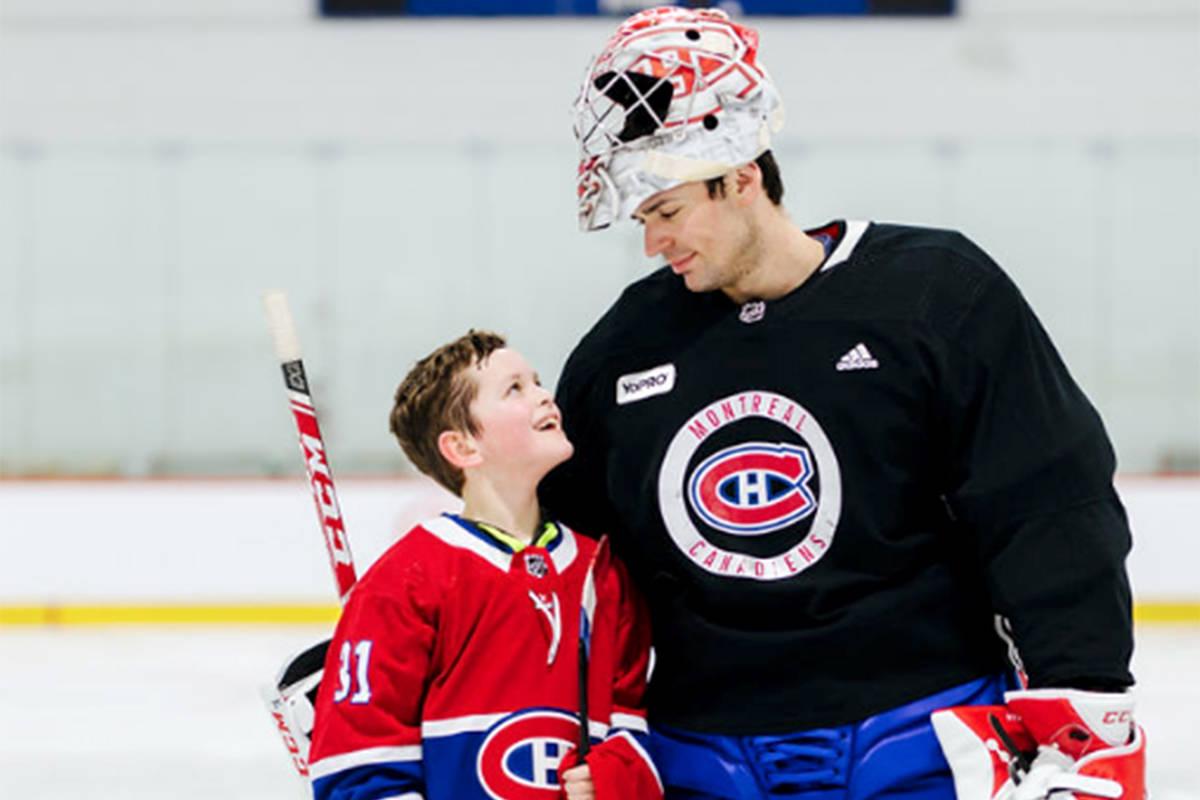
140,713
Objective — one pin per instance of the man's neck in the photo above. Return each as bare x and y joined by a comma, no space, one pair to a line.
788,258
513,510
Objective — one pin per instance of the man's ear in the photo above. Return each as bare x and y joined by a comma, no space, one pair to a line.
747,182
459,449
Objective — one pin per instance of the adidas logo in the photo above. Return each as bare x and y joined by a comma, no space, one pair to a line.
858,358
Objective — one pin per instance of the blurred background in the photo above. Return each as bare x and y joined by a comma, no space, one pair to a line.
405,171
405,178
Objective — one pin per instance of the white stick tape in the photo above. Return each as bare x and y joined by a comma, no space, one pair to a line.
283,330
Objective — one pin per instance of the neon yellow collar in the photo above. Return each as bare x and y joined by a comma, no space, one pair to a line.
549,534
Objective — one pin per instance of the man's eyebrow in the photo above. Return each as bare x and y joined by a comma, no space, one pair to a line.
650,209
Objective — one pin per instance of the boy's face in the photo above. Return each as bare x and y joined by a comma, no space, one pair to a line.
520,428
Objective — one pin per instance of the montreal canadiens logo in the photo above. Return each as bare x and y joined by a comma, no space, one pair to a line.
520,756
786,481
752,489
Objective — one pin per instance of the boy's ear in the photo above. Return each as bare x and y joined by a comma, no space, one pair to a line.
458,448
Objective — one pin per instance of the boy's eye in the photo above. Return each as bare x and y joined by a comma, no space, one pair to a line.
515,386
668,214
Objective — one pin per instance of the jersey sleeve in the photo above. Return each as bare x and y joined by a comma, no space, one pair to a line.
1031,478
367,733
621,764
574,491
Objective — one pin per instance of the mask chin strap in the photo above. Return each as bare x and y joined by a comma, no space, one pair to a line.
660,170
682,169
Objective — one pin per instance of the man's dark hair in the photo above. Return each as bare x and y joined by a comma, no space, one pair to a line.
772,180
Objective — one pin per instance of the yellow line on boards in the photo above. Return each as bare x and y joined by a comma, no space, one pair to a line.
1187,613
1166,613
173,614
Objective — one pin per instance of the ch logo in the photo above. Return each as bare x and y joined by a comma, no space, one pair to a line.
755,488
520,756
782,479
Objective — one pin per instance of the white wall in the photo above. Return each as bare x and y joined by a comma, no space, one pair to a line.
162,163
258,541
267,71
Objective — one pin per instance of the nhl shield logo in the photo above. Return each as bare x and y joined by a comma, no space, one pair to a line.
535,565
752,312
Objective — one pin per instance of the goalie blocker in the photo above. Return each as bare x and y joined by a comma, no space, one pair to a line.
1045,743
292,701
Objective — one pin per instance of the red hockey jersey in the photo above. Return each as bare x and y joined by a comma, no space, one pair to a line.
453,673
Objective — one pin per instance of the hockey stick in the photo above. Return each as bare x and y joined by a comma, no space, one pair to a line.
292,698
312,446
587,616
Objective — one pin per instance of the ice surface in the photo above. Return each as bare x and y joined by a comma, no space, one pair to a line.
140,713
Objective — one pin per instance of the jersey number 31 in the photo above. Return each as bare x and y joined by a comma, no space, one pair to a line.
354,680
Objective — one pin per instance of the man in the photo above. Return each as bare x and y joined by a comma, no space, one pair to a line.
838,462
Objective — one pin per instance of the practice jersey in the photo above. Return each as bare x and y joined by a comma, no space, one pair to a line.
827,498
454,671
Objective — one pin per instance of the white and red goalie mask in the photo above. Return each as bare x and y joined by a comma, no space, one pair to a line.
677,95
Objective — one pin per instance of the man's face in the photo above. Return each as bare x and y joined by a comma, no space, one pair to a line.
520,430
709,241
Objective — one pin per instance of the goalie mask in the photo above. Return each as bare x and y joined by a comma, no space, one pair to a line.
676,95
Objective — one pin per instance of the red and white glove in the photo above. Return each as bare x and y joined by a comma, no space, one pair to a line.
1045,743
620,769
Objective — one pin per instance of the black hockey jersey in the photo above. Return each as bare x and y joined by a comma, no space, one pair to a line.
827,498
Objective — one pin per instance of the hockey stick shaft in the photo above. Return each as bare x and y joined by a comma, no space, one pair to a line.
312,445
585,737
587,615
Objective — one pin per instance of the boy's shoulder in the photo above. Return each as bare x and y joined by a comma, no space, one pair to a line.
415,558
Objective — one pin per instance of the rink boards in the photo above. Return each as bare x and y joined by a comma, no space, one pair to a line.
249,551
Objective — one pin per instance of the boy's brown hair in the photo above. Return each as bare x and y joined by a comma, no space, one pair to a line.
436,396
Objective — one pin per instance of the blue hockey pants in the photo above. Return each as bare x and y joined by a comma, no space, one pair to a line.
893,755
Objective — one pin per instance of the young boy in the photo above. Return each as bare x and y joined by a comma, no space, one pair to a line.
453,673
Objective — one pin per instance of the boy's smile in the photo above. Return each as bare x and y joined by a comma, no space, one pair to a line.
520,429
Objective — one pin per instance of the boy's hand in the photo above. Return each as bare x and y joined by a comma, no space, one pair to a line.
577,783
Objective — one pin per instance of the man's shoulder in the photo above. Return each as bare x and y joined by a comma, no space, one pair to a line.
925,248
648,312
645,303
934,274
